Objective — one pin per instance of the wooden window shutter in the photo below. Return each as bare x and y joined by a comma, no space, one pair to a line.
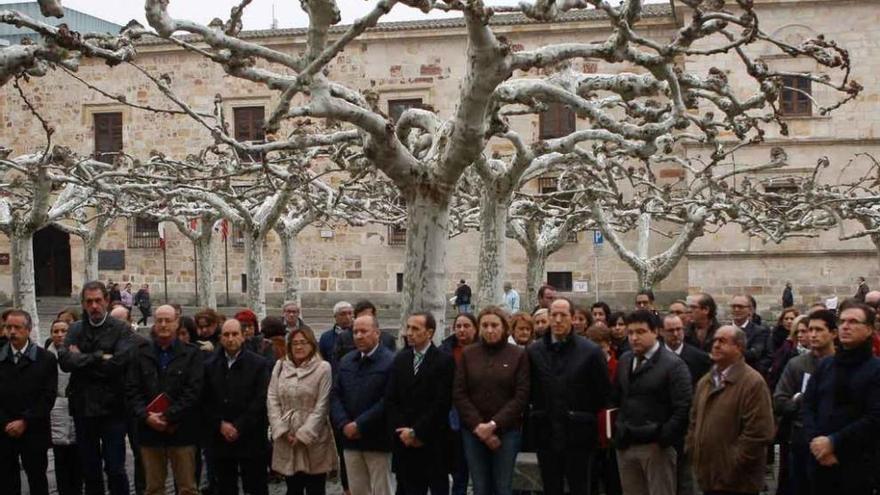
108,135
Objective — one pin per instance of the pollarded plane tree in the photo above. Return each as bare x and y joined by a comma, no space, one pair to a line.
425,154
847,201
37,190
543,223
624,197
251,195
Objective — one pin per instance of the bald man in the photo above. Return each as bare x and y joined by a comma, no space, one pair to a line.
163,387
731,421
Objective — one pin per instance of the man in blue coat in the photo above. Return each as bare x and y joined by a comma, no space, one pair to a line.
842,409
357,410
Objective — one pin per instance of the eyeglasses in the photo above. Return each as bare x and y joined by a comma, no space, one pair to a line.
738,306
853,322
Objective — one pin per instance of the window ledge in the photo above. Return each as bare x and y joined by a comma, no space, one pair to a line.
806,117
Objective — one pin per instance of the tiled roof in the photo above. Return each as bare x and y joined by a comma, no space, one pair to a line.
650,10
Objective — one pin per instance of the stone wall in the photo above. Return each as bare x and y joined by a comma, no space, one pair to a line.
429,64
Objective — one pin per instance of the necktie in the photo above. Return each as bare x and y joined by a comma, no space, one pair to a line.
17,357
417,361
640,360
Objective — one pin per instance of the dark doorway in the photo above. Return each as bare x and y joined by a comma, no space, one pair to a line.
52,262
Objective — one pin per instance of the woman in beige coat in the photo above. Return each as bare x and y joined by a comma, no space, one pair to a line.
298,401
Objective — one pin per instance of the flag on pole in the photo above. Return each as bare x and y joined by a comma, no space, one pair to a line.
194,224
222,228
162,235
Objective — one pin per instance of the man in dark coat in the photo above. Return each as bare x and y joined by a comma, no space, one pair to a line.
698,362
653,391
357,410
841,409
463,297
418,400
787,296
569,384
862,290
788,401
704,321
759,352
234,404
28,387
95,353
164,387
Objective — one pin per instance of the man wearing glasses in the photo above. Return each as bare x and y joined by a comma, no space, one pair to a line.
758,353
842,409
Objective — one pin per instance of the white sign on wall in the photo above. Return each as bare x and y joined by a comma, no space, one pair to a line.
580,286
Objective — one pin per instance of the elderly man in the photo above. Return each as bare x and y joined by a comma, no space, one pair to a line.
357,410
236,381
758,345
292,317
731,421
95,353
28,387
569,385
697,361
343,316
163,387
842,409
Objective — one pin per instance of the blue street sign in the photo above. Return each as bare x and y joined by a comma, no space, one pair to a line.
598,239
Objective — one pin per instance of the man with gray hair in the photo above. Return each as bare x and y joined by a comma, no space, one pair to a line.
731,421
293,317
343,315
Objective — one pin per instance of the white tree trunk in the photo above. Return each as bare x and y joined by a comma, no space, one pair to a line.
536,260
24,294
424,273
205,293
288,261
90,258
256,290
644,244
490,277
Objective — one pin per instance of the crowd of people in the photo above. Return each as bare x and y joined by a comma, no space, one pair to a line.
635,403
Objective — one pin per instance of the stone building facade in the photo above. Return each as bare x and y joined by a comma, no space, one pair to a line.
424,60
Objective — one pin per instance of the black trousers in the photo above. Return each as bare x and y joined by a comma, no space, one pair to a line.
306,484
572,465
420,482
252,470
68,470
34,461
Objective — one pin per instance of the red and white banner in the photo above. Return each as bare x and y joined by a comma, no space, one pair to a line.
162,235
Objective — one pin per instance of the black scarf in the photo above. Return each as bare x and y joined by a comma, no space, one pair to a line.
846,362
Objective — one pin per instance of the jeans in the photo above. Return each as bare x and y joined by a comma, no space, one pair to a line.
464,308
492,471
460,473
102,438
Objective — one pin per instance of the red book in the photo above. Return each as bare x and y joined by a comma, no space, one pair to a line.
607,417
159,405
